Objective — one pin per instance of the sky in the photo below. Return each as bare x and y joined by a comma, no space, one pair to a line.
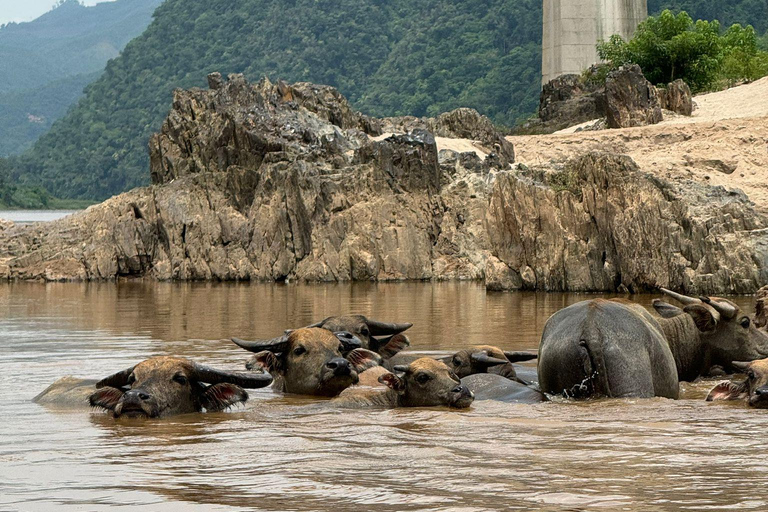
27,10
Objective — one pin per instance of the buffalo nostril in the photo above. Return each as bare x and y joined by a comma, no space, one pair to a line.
332,365
457,389
143,396
761,391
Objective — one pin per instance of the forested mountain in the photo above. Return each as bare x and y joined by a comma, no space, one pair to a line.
389,57
47,62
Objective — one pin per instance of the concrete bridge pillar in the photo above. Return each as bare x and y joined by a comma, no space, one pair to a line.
572,29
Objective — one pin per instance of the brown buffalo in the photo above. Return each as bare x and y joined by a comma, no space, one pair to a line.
163,386
307,361
754,389
425,382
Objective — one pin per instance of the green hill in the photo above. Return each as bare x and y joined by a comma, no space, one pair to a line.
388,57
50,60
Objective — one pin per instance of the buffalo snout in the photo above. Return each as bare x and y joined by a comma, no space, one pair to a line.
759,399
339,366
462,396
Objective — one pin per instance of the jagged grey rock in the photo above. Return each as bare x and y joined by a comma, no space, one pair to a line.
631,100
276,181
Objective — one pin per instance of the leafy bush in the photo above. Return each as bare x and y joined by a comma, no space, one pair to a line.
669,46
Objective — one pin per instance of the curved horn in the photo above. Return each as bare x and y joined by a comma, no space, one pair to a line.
682,299
274,345
516,357
400,368
384,328
320,323
483,358
726,310
741,365
118,380
244,380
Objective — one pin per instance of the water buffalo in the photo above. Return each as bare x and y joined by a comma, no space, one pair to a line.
381,337
487,359
754,389
611,348
489,386
425,382
307,361
160,386
708,332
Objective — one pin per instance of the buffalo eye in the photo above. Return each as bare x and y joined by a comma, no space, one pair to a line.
364,331
422,378
745,322
299,350
751,375
180,379
131,379
456,361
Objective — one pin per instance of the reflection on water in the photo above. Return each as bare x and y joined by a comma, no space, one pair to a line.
28,216
279,453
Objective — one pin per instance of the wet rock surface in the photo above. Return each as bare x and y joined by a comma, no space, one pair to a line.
286,182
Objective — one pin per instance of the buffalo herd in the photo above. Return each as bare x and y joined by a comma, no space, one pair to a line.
595,348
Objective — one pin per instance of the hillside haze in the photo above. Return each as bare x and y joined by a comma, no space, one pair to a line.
50,60
389,58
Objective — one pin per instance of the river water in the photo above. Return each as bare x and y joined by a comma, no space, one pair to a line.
279,454
29,216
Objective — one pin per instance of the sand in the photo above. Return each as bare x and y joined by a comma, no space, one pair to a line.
725,143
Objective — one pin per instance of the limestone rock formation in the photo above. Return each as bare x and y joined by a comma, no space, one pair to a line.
286,182
630,99
676,97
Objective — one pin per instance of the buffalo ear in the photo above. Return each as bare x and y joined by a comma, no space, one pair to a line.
393,345
704,317
727,390
665,309
363,359
265,361
221,396
106,398
393,382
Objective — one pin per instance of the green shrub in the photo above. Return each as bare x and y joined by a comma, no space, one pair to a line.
669,46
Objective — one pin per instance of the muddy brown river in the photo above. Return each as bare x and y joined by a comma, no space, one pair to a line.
281,454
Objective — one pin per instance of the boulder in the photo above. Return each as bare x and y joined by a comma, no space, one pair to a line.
676,97
761,308
630,99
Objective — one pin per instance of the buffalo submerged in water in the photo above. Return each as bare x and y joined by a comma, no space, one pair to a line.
157,387
615,348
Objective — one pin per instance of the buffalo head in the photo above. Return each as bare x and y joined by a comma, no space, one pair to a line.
162,386
728,332
427,382
754,389
307,361
482,358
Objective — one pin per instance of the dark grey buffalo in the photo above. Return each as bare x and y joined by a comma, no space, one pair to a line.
488,359
157,387
707,333
307,361
489,386
609,348
753,390
384,338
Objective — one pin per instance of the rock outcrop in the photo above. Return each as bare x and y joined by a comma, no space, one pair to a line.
630,99
281,182
676,97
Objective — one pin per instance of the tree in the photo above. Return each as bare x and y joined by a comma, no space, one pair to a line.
669,46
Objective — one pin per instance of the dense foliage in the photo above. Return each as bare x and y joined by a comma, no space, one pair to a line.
389,57
48,62
669,46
